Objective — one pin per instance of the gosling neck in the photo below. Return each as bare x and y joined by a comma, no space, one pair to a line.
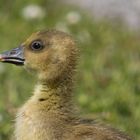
55,95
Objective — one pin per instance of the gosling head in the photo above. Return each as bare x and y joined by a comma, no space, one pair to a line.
50,55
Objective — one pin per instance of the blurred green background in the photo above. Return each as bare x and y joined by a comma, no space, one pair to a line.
108,79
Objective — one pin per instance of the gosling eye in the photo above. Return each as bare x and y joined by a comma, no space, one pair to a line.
37,45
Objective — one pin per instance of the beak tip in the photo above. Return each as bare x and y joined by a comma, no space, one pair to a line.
1,58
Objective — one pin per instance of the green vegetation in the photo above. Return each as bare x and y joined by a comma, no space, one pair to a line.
108,76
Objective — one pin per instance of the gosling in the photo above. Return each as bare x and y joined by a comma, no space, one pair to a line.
49,114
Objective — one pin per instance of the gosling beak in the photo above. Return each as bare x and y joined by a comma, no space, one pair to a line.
14,56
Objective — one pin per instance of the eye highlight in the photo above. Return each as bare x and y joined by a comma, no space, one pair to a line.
37,45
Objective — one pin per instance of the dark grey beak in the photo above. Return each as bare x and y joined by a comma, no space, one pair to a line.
14,56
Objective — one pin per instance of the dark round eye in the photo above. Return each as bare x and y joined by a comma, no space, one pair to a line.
37,45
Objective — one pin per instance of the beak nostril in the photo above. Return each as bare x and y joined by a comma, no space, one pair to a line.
13,52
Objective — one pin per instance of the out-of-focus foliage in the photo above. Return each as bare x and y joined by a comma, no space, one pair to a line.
108,85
